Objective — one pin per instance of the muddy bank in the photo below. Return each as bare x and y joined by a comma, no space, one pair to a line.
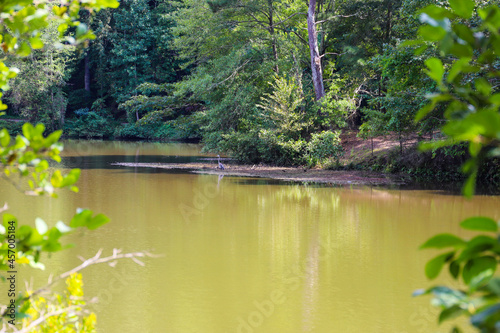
299,174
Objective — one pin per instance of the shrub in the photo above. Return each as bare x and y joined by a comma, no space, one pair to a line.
90,125
14,127
325,145
263,146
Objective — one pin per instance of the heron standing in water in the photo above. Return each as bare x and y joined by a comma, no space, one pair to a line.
221,166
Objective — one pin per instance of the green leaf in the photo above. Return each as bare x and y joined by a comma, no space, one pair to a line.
480,224
97,221
484,315
476,246
483,86
36,42
450,313
424,111
34,239
442,241
464,33
4,137
479,270
436,12
432,34
28,131
9,218
434,266
53,138
81,219
470,185
463,8
84,219
454,269
108,3
494,285
24,50
447,297
436,69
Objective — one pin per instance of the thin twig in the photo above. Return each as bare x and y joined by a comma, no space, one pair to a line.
332,53
4,208
43,318
92,261
336,16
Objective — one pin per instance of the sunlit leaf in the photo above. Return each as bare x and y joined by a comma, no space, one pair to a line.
434,266
41,226
443,241
463,8
479,270
97,221
480,224
436,69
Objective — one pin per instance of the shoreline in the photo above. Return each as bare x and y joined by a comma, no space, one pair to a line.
299,174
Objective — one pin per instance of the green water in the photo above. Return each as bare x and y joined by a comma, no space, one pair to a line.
245,255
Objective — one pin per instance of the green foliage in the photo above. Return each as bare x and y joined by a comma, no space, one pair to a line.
132,47
469,90
79,99
335,106
37,92
24,162
90,124
23,23
468,85
281,108
138,106
394,110
265,146
13,127
325,145
473,261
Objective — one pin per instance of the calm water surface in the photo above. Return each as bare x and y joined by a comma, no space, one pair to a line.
246,255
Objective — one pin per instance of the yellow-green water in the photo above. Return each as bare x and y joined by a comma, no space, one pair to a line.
245,255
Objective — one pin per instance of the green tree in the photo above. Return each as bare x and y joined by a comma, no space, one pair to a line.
24,160
468,87
132,47
37,92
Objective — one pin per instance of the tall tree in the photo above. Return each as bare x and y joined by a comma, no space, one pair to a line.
317,72
132,46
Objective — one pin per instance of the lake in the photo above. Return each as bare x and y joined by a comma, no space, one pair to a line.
244,254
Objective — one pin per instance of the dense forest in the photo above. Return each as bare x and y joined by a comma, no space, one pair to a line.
261,80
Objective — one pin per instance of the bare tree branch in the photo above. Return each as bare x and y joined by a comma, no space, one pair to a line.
333,53
337,16
4,208
43,318
233,74
92,261
286,19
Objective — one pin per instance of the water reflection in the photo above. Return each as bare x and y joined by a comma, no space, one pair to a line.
247,255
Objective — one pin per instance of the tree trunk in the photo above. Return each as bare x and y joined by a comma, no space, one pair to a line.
273,37
87,73
317,74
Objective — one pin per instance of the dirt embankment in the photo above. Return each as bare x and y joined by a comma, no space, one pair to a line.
353,146
383,160
299,174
